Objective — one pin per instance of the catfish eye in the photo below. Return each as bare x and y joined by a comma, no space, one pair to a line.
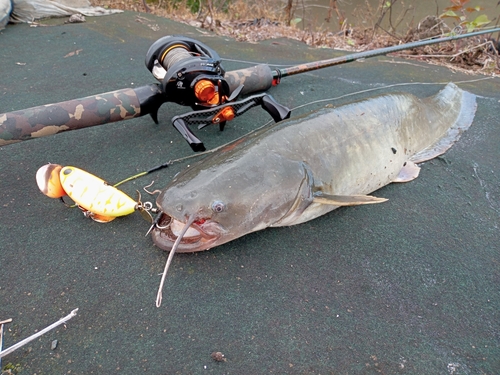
218,206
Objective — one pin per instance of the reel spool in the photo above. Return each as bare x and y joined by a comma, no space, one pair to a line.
189,71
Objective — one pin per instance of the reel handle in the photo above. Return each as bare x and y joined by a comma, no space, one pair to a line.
216,115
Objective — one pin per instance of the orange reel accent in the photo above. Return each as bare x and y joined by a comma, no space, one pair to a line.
226,114
205,91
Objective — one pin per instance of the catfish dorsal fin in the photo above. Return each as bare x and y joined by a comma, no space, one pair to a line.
346,200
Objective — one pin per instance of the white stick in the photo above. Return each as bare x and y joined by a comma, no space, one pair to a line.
38,334
1,343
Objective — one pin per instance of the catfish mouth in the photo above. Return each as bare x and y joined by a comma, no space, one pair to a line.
200,235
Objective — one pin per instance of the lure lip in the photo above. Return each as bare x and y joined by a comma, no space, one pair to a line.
204,233
48,180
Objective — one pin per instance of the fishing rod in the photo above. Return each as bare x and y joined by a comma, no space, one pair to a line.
190,74
280,73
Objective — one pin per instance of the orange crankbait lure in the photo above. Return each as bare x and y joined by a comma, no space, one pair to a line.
97,199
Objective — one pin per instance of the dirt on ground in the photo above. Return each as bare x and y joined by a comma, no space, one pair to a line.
476,55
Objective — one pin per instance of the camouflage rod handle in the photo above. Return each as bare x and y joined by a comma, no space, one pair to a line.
109,107
80,113
255,79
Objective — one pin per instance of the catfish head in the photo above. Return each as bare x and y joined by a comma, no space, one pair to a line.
231,194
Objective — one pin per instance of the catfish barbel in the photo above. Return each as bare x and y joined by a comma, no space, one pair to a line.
299,169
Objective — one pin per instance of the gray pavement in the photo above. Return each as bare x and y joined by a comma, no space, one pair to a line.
410,286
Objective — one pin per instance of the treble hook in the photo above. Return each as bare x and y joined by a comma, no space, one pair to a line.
145,209
155,222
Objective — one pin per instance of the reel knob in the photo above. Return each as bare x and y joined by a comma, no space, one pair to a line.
205,90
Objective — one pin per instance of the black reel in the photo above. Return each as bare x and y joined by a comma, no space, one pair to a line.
191,74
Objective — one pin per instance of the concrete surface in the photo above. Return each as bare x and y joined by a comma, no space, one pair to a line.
410,286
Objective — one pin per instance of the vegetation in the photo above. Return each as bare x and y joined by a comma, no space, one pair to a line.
254,20
11,369
460,12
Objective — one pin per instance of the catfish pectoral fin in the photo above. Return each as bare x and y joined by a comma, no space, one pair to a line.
409,172
346,200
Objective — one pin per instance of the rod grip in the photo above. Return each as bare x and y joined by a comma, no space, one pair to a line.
255,79
69,115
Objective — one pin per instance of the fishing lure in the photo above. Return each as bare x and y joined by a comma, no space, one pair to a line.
97,199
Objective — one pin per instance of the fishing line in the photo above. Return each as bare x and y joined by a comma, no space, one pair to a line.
385,87
253,63
175,55
161,166
170,162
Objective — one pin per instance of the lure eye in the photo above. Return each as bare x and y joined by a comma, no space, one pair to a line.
218,206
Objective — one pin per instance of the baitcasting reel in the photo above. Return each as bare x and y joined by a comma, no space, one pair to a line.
191,74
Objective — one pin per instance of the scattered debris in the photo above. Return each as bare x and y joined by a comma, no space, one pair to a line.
218,357
76,18
29,10
73,53
429,27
